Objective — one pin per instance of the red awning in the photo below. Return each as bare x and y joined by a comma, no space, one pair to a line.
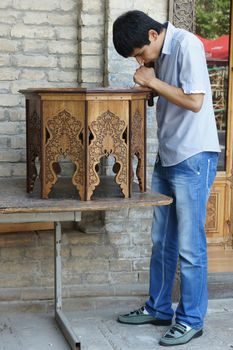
216,48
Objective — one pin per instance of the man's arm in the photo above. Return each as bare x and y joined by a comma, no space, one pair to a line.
146,77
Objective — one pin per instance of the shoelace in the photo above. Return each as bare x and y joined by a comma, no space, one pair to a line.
180,328
138,311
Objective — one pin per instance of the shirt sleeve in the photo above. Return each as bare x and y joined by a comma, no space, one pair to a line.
193,69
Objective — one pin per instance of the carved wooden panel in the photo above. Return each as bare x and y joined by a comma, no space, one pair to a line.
63,136
109,127
212,224
182,14
218,214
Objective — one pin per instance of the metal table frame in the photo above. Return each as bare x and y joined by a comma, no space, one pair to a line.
61,319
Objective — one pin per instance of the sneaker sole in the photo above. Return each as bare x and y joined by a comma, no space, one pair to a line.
196,335
154,322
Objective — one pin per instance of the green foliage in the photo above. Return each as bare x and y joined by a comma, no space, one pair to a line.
212,18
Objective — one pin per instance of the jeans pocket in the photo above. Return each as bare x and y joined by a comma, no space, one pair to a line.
211,171
194,163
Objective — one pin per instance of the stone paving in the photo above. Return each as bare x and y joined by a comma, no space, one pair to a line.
31,329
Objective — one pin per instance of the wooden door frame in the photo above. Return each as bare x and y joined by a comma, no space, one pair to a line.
229,143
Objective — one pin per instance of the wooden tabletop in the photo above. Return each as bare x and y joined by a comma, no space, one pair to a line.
64,198
96,90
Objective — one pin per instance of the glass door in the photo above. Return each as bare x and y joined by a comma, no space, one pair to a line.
212,24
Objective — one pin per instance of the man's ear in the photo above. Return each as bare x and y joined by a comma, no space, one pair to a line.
153,35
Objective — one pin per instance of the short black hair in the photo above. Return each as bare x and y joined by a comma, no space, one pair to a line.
130,31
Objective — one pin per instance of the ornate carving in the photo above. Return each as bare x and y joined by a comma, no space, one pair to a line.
137,147
212,213
64,138
108,131
182,14
230,179
33,148
73,127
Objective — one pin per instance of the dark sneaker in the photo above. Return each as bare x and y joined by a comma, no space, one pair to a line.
141,316
179,334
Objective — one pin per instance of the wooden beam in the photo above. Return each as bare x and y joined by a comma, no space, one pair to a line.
24,227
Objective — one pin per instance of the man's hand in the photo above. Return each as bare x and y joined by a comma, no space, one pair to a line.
143,76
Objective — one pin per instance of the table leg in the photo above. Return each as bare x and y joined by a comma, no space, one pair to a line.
33,127
60,318
138,145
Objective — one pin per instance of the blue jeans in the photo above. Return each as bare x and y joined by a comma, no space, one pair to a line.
178,231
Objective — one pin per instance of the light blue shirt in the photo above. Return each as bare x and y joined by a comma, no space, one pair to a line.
181,132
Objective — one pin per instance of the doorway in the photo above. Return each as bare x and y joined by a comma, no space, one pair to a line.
213,26
191,15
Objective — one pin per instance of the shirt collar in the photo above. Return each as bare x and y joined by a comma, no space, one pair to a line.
167,45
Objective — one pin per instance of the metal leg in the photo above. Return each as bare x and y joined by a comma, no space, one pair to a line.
61,319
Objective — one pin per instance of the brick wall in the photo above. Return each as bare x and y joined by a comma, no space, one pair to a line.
112,262
91,38
38,45
59,43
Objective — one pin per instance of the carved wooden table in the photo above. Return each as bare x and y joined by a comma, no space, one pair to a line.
85,125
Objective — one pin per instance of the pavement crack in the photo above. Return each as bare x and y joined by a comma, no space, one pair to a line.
108,335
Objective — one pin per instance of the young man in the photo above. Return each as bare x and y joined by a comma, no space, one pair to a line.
184,169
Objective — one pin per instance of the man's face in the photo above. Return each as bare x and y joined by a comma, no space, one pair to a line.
148,53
